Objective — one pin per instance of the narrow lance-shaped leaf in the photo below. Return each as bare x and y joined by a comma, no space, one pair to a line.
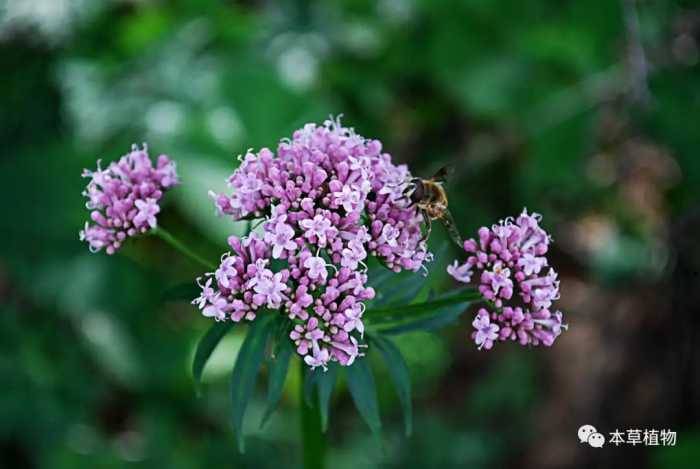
364,394
397,289
325,384
426,322
379,279
206,347
400,375
245,371
380,276
310,377
403,291
279,367
393,313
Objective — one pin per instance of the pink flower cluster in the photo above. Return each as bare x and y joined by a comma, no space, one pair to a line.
123,198
243,282
329,199
509,264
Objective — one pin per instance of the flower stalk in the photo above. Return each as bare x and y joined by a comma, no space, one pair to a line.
179,246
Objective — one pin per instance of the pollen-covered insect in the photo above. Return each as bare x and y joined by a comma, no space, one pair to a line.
429,196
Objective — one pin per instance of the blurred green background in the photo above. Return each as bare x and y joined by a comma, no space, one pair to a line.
585,111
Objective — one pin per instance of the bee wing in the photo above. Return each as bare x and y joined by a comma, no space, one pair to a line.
449,222
444,173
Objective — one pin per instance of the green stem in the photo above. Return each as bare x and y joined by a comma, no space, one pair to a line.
313,442
174,242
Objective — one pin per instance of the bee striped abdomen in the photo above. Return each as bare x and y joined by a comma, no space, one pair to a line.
429,196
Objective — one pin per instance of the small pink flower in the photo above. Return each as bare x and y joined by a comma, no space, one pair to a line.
148,210
271,288
207,294
317,268
319,357
225,271
251,183
354,319
389,235
500,277
316,227
216,309
486,332
461,273
281,239
353,255
531,264
348,198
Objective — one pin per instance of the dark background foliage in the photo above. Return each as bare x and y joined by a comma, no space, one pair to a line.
585,111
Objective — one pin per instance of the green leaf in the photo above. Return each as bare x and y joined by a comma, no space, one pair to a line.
325,383
309,384
379,279
245,371
400,375
427,322
206,346
393,313
364,394
279,367
402,291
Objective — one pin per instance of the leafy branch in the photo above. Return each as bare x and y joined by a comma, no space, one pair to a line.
318,385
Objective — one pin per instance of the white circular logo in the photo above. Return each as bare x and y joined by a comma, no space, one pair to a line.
585,431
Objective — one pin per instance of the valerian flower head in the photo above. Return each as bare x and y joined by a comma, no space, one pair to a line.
508,261
123,198
329,199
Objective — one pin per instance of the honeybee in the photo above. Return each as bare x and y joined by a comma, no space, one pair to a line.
430,197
